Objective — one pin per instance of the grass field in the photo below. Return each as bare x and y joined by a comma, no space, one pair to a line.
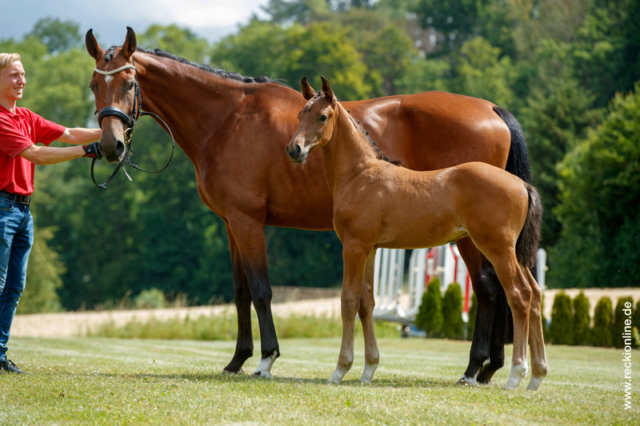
129,381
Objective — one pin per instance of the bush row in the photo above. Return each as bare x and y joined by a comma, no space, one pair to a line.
442,316
571,322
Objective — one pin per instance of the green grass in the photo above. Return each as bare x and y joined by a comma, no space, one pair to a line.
117,381
225,327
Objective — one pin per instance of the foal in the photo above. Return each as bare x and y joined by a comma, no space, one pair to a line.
378,204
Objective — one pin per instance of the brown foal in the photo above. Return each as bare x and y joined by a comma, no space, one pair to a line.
378,204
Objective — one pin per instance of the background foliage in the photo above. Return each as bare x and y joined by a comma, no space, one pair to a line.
557,66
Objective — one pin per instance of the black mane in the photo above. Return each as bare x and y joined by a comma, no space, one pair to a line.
379,154
218,71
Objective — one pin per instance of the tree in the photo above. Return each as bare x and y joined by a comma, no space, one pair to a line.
599,194
602,323
453,327
581,320
618,325
176,40
58,36
561,320
429,317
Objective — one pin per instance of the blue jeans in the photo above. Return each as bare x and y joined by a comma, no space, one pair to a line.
16,239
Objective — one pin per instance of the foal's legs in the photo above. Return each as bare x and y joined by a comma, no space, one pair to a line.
355,259
536,337
244,343
248,233
367,303
519,292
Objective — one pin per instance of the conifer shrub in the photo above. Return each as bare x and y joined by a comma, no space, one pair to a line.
545,325
581,320
618,326
453,327
635,322
561,330
473,311
429,317
602,323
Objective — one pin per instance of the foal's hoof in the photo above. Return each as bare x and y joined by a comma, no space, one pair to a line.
262,374
240,371
534,383
467,381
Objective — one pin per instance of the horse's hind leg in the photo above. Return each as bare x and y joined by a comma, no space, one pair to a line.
367,303
536,337
355,259
519,292
244,343
248,233
486,287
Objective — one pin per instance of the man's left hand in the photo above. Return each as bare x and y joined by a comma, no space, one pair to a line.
92,150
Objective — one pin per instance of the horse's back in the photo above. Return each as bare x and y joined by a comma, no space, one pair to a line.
433,130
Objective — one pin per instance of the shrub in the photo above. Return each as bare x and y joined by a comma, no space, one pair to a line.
473,311
635,322
453,327
561,320
581,320
602,323
429,317
150,299
545,325
618,326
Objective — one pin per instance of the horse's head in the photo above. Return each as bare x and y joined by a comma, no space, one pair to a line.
115,89
317,121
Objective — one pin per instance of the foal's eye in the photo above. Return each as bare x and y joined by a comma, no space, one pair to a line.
131,86
323,118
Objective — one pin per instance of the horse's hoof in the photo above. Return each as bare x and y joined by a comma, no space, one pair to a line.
467,381
240,371
534,383
262,374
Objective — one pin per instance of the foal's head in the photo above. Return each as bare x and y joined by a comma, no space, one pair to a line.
114,85
317,121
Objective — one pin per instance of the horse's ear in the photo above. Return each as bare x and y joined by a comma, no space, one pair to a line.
130,44
306,89
326,89
93,47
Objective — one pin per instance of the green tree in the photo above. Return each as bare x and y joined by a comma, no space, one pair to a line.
602,323
581,320
453,326
618,325
429,317
174,39
58,36
599,193
561,320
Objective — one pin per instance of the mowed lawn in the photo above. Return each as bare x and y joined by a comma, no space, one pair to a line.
118,381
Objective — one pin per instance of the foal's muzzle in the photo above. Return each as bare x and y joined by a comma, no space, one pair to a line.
295,153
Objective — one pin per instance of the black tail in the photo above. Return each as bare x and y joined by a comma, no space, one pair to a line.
519,165
529,239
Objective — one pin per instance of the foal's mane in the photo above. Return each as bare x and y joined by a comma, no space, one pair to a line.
218,71
365,134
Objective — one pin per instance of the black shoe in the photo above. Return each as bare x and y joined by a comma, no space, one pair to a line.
10,367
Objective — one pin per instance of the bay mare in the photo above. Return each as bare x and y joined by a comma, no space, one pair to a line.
378,204
234,129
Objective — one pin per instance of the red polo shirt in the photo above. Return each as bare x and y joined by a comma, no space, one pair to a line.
18,132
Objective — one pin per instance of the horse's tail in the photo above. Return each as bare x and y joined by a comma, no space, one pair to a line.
518,160
527,244
517,164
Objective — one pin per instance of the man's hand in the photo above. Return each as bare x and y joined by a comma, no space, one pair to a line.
92,150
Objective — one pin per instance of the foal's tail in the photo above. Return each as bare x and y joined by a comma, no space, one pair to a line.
527,244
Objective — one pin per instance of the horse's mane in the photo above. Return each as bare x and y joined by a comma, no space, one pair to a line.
218,71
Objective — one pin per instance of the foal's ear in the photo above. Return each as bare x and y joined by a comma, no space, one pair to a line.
93,47
306,89
326,89
130,44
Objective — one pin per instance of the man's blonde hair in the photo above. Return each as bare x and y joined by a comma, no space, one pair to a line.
7,59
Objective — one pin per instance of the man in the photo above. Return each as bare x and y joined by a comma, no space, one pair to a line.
20,130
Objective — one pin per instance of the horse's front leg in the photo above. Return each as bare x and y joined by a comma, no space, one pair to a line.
244,343
248,234
367,303
355,258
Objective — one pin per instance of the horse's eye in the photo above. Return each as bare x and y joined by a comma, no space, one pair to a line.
131,86
323,118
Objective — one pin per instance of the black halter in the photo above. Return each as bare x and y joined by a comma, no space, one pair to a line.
130,121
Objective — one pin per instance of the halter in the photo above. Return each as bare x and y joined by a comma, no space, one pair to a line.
130,121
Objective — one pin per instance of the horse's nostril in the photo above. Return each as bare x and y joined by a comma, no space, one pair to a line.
119,148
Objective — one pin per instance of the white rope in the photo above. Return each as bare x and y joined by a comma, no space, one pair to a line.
117,70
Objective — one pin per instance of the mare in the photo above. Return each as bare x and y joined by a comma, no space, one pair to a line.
379,204
234,130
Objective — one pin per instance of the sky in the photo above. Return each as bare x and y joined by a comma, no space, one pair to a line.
211,19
